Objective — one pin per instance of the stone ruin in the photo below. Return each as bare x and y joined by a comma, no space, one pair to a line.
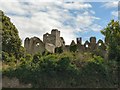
49,43
53,41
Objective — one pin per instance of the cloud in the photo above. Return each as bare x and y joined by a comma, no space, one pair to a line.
110,4
114,13
76,5
96,27
37,18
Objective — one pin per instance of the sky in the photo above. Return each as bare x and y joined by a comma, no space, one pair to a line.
73,19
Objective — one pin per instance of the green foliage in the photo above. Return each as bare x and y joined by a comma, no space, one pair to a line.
27,59
98,60
45,53
73,48
94,63
60,70
11,42
67,54
65,69
98,52
112,38
36,57
97,74
48,63
8,57
59,50
63,63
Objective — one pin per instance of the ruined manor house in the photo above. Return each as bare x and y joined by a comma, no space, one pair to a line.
52,41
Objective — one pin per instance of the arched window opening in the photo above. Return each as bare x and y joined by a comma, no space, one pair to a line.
99,44
37,44
86,45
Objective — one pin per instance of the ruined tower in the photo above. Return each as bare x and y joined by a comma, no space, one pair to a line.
53,38
92,40
79,41
57,41
92,43
27,44
49,43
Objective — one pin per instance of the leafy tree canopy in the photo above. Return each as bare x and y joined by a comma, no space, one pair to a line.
112,39
11,42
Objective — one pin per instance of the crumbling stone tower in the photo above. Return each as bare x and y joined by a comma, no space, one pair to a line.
93,43
49,43
79,41
53,38
80,47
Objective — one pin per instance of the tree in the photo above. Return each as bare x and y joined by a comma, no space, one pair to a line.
73,48
11,42
112,39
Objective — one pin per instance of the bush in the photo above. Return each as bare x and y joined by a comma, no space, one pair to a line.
73,48
71,55
99,52
63,63
61,72
96,73
8,57
36,58
45,53
98,60
59,50
48,63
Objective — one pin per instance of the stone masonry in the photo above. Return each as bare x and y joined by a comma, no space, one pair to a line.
52,41
49,43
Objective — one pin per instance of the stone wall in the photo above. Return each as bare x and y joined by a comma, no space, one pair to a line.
48,38
53,40
50,47
13,83
34,45
50,42
90,45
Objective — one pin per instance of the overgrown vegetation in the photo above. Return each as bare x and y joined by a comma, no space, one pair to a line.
112,38
11,42
62,69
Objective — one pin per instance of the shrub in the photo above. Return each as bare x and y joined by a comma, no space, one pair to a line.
45,53
27,59
63,63
73,48
98,52
61,72
48,63
8,57
98,60
58,50
36,57
67,54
